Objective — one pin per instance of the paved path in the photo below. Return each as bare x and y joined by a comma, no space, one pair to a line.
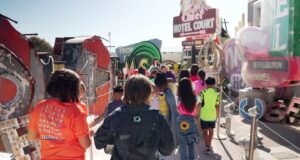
273,148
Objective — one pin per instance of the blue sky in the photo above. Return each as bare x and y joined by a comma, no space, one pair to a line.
129,21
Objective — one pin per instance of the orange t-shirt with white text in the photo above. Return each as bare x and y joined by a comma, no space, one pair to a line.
59,126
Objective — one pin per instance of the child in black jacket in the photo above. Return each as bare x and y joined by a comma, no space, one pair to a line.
135,131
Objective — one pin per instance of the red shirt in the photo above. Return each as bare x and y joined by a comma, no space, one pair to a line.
194,78
59,126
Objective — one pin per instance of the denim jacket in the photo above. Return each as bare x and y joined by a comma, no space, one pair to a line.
187,127
173,113
136,132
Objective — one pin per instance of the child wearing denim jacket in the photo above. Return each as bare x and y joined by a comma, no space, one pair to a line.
167,102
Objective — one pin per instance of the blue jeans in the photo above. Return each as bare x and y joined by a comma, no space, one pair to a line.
188,135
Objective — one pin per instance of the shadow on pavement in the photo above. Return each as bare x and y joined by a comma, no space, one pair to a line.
225,149
232,140
265,149
283,130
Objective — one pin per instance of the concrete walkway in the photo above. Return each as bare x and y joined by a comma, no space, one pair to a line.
272,148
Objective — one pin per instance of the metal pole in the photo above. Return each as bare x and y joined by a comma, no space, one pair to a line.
113,71
252,137
219,115
220,136
181,61
228,125
30,34
88,97
109,36
1,15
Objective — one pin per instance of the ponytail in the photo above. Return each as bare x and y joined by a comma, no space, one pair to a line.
201,74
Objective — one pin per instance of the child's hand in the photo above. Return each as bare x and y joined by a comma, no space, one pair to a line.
92,124
92,133
109,149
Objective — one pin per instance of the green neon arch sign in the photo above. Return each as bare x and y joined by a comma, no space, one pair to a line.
143,54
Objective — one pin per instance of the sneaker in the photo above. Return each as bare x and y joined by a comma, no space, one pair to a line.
208,150
211,149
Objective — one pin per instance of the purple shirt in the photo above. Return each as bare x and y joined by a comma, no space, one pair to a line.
112,106
170,74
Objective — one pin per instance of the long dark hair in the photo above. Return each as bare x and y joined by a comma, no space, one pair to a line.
184,74
186,94
201,75
142,70
194,69
64,84
161,80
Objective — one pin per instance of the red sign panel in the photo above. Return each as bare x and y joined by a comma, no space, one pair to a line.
196,22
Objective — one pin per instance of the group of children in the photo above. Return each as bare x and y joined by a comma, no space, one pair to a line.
198,101
193,104
145,120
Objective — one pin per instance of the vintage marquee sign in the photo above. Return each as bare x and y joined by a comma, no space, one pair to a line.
232,64
272,52
198,42
196,18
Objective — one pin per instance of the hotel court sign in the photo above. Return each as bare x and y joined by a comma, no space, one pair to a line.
195,19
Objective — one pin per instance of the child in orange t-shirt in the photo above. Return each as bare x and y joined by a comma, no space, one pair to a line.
58,122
